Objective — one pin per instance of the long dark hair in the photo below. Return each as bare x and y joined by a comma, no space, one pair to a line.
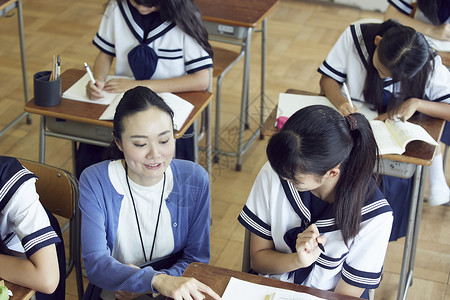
430,9
316,139
186,15
133,101
407,55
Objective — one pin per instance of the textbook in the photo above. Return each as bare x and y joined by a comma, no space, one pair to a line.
243,290
181,108
391,136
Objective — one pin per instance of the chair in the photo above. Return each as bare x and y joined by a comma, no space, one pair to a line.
58,193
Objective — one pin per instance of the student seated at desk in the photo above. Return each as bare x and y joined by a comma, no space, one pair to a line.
163,44
144,205
318,188
28,256
391,67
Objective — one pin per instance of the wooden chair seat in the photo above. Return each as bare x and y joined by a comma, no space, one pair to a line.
223,58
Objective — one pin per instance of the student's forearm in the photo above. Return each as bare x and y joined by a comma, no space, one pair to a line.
273,262
332,91
40,272
198,81
344,288
102,65
434,109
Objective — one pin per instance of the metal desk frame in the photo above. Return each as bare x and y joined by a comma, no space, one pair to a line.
9,5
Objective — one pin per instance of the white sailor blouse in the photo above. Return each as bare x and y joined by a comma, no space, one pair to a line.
405,7
164,52
24,224
348,62
276,211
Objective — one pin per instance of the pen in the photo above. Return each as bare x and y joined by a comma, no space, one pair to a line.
89,72
58,67
347,94
321,247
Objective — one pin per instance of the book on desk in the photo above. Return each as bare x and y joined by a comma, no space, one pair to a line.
391,136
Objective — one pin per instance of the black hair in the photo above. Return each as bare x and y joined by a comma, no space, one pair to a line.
407,55
186,15
133,101
430,9
316,139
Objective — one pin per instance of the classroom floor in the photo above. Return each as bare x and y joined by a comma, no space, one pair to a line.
300,34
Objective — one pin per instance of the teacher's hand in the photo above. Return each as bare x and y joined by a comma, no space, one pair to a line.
182,288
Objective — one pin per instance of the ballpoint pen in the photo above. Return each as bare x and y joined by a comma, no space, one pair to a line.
88,70
347,94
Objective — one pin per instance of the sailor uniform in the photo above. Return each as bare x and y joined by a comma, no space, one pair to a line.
276,211
405,7
24,224
347,62
164,52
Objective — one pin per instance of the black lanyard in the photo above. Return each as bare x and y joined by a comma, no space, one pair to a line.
137,220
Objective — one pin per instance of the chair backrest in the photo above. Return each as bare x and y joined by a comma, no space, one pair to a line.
58,193
57,188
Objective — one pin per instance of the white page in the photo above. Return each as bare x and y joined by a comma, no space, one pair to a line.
386,143
288,104
438,45
243,290
181,108
78,91
406,132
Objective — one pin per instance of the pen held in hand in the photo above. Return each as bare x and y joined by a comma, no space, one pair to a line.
347,94
88,70
321,247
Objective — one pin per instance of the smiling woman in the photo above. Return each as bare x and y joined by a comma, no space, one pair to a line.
144,205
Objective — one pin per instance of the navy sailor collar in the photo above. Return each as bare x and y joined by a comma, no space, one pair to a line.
138,31
302,202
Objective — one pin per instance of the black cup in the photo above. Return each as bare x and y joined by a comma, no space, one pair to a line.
46,93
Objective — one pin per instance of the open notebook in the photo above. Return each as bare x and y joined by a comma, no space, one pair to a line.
181,108
391,136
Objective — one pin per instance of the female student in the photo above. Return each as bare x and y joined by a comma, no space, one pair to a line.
144,205
27,240
161,44
391,67
432,17
317,191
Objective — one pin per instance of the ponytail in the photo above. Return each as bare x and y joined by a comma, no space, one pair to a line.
316,139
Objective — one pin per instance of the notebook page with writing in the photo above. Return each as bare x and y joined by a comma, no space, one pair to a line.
181,109
78,91
288,104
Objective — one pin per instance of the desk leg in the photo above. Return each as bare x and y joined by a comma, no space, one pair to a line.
22,53
412,233
208,151
195,141
244,101
263,72
42,141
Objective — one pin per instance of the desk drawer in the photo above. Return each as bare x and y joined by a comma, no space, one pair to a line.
229,31
88,131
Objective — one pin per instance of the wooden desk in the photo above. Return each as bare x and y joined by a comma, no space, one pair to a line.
89,113
5,6
19,292
233,21
417,155
217,279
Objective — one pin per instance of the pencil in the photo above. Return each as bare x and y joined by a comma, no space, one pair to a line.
347,94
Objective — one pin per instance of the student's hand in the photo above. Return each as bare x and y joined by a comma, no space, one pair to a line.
307,245
346,109
406,109
94,91
180,288
441,32
382,117
119,85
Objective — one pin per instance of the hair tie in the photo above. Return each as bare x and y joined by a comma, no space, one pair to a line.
351,122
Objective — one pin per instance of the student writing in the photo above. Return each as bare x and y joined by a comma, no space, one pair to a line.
144,205
391,67
317,187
